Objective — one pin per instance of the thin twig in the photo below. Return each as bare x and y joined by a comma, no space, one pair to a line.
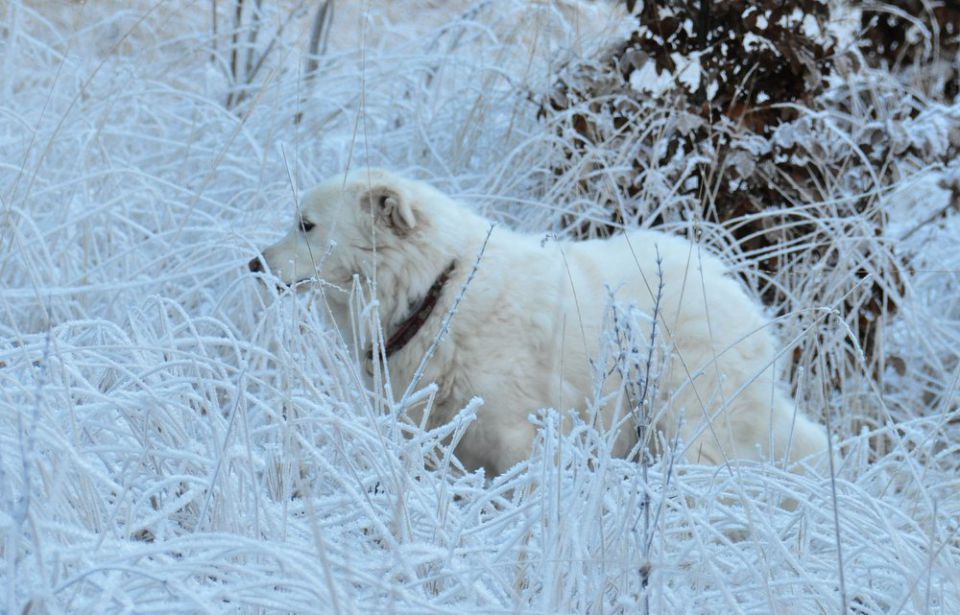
213,26
318,34
256,22
234,44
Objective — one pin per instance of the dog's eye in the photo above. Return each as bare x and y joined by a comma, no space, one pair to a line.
306,226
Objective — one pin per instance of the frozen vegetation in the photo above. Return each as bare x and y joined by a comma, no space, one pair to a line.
177,437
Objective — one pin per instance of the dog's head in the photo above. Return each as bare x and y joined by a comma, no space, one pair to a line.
368,223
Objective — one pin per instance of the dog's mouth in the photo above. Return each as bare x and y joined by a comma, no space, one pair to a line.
306,284
299,285
259,267
282,286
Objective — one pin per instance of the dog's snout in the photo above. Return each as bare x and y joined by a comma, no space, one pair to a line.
256,265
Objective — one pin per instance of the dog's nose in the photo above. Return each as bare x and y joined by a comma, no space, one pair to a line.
256,265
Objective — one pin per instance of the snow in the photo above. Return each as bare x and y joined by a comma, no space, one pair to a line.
175,437
689,71
647,79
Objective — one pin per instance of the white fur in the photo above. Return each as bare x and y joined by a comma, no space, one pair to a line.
531,325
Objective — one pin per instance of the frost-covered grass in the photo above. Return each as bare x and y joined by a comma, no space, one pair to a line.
174,437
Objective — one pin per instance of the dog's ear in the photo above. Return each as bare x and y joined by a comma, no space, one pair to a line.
390,207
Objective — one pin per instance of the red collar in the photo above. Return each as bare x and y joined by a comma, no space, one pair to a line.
409,327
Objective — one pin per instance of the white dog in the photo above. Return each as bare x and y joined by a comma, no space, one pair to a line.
536,318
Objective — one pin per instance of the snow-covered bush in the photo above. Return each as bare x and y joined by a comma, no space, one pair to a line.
760,127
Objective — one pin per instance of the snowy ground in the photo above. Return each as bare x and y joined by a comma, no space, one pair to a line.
173,438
